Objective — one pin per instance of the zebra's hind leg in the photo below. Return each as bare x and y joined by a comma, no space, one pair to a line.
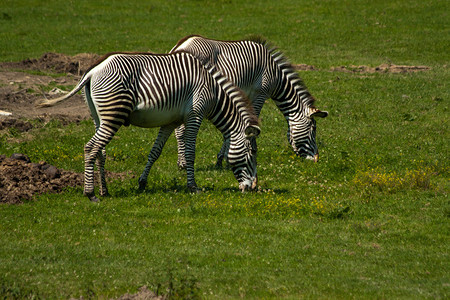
101,158
191,131
179,135
92,151
163,136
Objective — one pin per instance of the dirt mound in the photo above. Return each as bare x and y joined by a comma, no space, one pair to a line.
20,179
56,62
143,294
304,67
383,68
19,125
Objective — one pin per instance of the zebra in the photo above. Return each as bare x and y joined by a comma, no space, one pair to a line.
164,90
262,72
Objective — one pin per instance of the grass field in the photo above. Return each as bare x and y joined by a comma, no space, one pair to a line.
369,220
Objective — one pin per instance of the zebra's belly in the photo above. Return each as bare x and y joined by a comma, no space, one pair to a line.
148,118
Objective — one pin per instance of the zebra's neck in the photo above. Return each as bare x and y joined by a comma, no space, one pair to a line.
232,111
290,93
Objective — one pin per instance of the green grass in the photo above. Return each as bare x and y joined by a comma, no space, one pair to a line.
322,33
369,220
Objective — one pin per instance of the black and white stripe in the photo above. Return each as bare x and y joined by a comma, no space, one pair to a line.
166,90
262,72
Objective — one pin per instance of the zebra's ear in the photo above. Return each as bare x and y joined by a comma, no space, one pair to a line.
252,131
318,113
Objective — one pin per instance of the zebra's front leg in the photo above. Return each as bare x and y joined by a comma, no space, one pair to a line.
181,148
163,136
101,158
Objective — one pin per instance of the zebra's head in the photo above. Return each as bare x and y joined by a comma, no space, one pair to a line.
242,158
302,134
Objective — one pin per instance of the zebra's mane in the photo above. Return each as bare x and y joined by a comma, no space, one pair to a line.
280,59
236,95
181,41
285,65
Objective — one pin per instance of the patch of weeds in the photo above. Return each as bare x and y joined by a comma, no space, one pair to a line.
42,73
13,291
181,285
368,227
117,154
5,17
52,85
53,123
339,212
408,117
392,181
14,132
183,288
89,292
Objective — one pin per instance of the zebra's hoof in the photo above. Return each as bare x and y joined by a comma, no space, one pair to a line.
194,189
93,198
142,185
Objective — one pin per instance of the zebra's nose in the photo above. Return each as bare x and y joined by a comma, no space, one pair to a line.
316,157
249,185
243,187
255,182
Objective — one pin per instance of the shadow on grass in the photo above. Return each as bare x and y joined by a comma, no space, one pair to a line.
258,190
213,168
168,186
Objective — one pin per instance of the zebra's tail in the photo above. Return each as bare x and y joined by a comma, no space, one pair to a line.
51,102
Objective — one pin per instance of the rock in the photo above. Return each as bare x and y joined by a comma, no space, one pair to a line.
20,156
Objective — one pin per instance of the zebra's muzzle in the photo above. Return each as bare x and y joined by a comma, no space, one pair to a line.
248,185
314,158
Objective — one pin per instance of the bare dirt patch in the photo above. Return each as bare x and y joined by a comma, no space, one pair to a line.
20,87
56,63
383,68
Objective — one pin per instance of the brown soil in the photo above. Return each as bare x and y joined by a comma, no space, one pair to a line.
19,88
383,68
21,179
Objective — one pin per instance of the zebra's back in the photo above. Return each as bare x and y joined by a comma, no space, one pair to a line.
159,89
